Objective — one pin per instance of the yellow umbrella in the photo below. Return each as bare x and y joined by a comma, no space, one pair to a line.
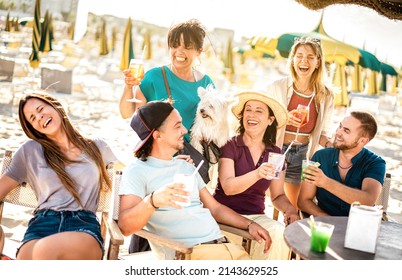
34,57
128,52
103,48
264,45
372,87
114,38
9,23
339,82
357,81
147,45
46,40
228,62
70,30
16,24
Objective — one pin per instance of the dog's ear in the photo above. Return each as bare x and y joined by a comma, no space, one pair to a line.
201,91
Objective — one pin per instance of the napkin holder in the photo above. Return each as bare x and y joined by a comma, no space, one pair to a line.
363,227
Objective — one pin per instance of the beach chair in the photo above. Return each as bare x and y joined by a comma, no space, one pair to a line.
6,69
24,195
181,249
383,198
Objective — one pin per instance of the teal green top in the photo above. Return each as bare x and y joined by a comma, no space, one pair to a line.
184,93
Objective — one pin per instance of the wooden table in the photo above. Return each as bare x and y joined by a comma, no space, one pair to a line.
389,242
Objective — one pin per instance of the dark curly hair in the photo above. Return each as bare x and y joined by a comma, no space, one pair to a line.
193,34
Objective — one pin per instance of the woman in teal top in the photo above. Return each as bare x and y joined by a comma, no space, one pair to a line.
185,42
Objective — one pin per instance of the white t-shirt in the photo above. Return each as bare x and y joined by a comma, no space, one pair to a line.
191,225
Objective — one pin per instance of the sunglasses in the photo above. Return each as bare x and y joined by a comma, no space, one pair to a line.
303,40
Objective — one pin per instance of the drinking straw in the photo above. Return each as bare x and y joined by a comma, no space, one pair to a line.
311,221
312,97
287,150
198,167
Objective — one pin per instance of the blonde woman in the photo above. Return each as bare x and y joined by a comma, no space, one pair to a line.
304,86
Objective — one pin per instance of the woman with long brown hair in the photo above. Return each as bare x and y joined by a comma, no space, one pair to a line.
305,86
67,172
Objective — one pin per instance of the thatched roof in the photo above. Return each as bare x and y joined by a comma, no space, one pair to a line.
391,8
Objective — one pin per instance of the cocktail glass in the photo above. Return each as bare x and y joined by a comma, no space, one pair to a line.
320,236
302,113
137,71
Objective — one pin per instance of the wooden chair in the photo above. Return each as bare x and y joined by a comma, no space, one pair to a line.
383,198
24,195
181,249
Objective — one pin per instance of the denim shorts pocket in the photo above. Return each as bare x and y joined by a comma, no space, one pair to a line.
34,220
87,217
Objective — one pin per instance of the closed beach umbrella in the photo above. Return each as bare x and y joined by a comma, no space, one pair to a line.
128,52
229,65
46,40
70,30
114,39
339,82
9,23
103,48
16,24
147,46
34,57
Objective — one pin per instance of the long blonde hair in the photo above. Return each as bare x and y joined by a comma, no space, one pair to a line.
54,157
317,79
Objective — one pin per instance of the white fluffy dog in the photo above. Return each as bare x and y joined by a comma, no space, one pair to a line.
211,129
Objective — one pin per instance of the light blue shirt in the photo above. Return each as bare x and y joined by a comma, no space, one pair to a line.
191,225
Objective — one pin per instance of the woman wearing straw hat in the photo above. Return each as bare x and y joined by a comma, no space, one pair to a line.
305,86
243,169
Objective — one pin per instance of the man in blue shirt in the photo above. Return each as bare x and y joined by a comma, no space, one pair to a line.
348,172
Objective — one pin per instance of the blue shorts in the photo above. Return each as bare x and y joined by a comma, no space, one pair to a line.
294,159
47,222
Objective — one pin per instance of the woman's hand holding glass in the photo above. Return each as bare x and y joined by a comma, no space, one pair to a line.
134,75
266,170
300,117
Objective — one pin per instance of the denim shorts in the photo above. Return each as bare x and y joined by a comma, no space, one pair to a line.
47,222
294,158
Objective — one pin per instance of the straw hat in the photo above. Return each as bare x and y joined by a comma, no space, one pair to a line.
280,112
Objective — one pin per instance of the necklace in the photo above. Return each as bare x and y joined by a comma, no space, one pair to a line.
341,167
193,72
301,91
